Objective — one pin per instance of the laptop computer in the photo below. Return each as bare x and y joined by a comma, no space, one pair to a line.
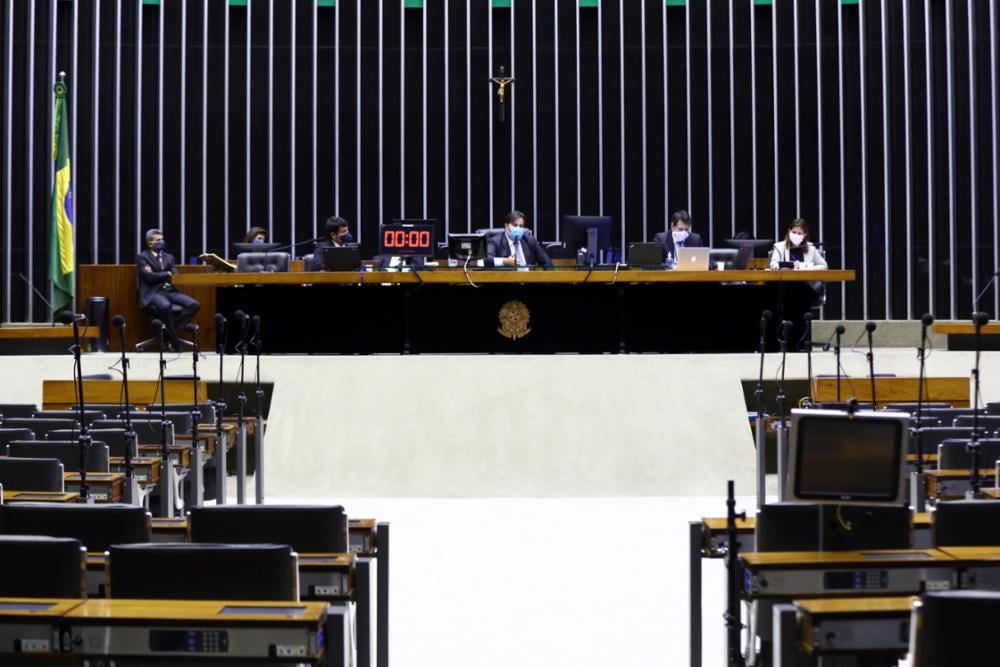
692,259
645,254
347,258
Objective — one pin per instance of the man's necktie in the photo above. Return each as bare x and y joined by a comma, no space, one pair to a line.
519,253
159,258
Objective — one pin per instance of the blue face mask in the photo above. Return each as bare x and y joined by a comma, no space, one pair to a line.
258,240
517,232
158,246
346,238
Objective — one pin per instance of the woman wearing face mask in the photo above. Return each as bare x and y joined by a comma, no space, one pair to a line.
679,236
256,235
797,249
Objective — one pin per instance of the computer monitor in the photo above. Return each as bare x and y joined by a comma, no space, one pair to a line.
407,238
256,247
574,232
466,246
346,258
842,458
760,248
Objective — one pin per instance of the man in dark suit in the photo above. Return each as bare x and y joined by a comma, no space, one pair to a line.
338,236
516,246
679,236
156,293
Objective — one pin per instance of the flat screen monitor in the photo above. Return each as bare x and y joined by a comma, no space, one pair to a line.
407,238
840,458
574,231
256,247
346,258
466,246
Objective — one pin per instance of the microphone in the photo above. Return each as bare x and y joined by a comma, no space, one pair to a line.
191,327
870,328
980,319
838,331
764,318
255,328
927,319
807,321
118,321
786,327
68,317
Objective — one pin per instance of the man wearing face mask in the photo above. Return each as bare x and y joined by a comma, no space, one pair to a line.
338,235
157,294
679,236
516,246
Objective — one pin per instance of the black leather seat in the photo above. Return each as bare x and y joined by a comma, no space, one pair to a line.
31,474
307,528
956,628
953,455
40,427
96,526
15,410
67,451
147,429
114,438
263,262
90,414
207,410
972,523
8,435
203,571
41,567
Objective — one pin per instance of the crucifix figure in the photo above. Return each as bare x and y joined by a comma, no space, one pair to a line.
502,81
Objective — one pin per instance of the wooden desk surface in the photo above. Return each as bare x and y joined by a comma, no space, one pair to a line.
12,496
987,474
874,558
105,477
854,606
455,276
103,610
59,607
965,328
60,331
973,553
717,525
325,561
992,492
954,390
61,394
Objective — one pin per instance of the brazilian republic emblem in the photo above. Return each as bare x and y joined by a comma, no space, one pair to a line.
514,317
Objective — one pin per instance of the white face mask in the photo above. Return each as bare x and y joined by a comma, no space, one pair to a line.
796,239
680,237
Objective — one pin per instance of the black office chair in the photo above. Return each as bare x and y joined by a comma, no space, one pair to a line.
65,450
90,414
181,420
203,572
114,438
147,429
14,410
263,262
97,526
24,474
948,415
307,528
207,411
955,628
986,422
966,523
8,435
40,427
109,409
935,435
175,309
911,407
953,455
39,566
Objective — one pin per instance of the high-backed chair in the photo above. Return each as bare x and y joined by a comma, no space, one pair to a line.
935,435
89,413
181,419
114,438
955,628
96,526
263,262
30,474
66,451
953,455
986,422
8,435
110,409
207,410
948,415
966,523
203,571
16,410
307,528
42,567
40,427
147,430
911,407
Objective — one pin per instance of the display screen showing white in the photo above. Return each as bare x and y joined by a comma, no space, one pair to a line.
842,458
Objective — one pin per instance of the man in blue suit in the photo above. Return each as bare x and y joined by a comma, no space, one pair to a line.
679,236
155,268
516,246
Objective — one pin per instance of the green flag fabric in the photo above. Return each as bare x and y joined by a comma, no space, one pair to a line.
62,263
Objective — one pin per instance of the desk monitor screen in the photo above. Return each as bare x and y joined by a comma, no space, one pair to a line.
346,258
407,238
574,231
466,246
837,458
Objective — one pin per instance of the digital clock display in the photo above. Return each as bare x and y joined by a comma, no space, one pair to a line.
406,240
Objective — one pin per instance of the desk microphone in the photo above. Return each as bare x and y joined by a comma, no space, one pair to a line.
979,319
805,344
759,435
870,329
69,317
244,321
993,279
221,326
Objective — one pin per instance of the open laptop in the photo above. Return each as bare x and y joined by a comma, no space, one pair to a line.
645,254
346,258
692,259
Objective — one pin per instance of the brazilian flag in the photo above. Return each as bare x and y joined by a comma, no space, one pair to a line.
61,260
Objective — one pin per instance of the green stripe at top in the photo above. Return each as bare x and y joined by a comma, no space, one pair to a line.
501,4
589,3
326,3
676,3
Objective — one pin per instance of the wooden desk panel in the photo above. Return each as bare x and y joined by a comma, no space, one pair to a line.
61,394
12,496
199,611
965,328
60,331
954,390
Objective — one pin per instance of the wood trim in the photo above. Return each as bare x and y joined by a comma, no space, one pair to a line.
61,394
954,390
35,333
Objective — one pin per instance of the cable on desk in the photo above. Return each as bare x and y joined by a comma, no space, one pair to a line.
614,278
465,270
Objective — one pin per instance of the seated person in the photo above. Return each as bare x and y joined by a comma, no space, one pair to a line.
155,268
338,235
679,236
516,246
796,248
256,235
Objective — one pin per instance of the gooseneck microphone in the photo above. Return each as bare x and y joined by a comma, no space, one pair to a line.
759,434
84,440
784,329
805,345
131,490
69,317
925,322
979,319
838,332
870,329
221,331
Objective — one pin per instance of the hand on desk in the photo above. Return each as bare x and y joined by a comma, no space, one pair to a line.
510,261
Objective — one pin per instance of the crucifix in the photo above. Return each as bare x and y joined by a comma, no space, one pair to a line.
502,81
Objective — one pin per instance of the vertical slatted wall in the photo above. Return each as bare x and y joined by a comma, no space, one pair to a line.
875,120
